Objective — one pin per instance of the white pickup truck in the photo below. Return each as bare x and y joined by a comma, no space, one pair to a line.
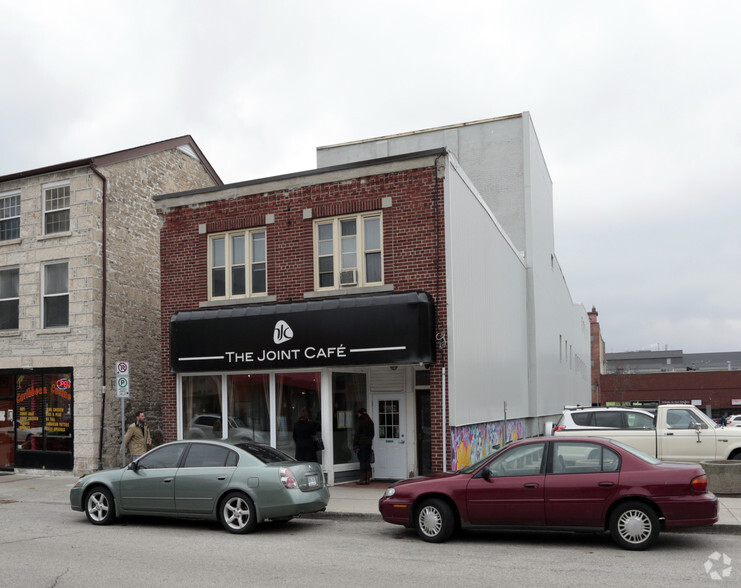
681,433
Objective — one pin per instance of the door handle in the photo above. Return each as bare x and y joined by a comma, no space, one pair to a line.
167,480
221,478
606,484
531,485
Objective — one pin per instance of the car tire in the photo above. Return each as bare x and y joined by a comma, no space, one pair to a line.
237,513
434,521
99,506
634,526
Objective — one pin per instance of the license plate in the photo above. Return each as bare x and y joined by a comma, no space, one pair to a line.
311,479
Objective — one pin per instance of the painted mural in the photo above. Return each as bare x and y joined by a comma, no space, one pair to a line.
472,443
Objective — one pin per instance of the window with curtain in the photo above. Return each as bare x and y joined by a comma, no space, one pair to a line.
248,401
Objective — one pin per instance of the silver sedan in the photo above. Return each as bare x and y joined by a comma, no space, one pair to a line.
240,485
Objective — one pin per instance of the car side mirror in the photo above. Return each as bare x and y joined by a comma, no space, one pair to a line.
698,427
134,466
486,473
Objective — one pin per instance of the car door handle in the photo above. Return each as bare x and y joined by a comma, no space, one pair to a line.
167,480
531,485
606,484
221,478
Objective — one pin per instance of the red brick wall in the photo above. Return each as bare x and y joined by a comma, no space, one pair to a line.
714,388
413,251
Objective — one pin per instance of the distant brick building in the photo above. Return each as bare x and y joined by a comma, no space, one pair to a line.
79,290
710,381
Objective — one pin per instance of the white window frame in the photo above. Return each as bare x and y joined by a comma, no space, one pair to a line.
249,263
44,189
46,296
5,219
361,251
15,298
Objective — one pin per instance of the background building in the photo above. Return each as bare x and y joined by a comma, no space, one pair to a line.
79,290
710,381
412,274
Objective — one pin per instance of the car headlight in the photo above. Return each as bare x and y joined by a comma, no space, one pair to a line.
389,492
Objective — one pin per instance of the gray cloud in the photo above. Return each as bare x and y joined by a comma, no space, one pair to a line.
635,105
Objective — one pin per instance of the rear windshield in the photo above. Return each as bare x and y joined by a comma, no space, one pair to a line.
264,453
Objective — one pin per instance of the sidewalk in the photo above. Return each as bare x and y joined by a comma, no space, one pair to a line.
347,501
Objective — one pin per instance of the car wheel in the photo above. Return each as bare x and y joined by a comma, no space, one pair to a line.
634,526
99,507
435,521
237,513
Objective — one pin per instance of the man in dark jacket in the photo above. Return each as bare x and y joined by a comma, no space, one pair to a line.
363,444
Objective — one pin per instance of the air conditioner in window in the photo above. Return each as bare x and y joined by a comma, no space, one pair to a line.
348,277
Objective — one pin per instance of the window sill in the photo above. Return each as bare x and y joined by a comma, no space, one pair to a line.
54,235
349,291
237,301
54,331
10,333
11,242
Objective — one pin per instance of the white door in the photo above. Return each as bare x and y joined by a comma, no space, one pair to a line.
389,444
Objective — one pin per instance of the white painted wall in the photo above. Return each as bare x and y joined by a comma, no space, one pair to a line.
487,310
514,332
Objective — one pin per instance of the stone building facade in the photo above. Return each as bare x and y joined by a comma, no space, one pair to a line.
80,290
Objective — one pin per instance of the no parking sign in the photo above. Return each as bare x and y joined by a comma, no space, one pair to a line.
122,379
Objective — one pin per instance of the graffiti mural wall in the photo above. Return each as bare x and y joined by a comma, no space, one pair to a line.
471,443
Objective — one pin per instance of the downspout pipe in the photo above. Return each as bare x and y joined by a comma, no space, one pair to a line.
104,262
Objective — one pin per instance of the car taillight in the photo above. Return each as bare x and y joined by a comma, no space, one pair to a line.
287,478
700,483
559,428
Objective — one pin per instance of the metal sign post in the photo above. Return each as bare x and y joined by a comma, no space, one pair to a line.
122,392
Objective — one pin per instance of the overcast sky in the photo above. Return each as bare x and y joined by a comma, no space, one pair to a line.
637,106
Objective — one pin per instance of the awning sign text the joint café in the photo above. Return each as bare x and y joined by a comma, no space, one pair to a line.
361,330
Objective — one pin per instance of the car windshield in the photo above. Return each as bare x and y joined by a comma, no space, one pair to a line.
473,467
639,454
265,453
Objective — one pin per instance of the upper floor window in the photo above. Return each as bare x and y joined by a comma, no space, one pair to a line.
348,251
56,208
237,264
55,309
10,216
8,299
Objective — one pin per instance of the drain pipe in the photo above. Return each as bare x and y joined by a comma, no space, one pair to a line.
445,427
104,263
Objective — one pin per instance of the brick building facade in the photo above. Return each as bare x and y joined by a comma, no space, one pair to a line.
384,282
79,290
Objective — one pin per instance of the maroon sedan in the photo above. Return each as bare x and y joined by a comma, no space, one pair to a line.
577,484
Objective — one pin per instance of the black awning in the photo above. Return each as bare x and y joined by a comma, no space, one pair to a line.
354,330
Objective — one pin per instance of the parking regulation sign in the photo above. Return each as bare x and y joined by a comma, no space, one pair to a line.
122,379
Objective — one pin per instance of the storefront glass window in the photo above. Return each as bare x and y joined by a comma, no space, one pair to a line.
348,395
296,392
58,412
248,398
202,412
44,405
